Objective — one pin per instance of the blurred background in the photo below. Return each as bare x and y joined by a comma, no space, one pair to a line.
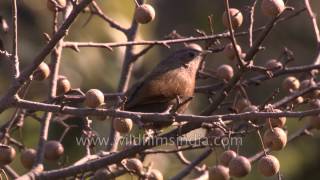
100,68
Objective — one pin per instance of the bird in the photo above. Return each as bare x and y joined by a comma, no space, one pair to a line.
170,82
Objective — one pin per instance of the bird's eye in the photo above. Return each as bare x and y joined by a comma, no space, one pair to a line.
191,54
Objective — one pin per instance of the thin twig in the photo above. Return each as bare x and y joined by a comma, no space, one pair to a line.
251,22
232,36
125,76
111,22
249,56
313,19
12,173
188,169
14,57
9,97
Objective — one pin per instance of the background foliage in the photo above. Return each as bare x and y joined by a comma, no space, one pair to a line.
99,68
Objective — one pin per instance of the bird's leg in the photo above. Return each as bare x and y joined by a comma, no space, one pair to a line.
121,103
169,109
180,103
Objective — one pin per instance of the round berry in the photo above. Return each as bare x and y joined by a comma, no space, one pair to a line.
214,134
290,84
53,150
122,125
230,52
315,103
219,172
273,64
155,174
272,8
225,72
268,165
276,139
239,166
251,108
144,14
299,100
63,85
28,157
60,3
307,83
278,122
7,154
226,157
236,18
134,165
42,72
94,98
241,104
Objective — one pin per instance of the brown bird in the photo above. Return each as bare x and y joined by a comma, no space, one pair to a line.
172,79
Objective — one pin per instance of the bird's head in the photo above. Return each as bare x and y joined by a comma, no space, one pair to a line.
192,53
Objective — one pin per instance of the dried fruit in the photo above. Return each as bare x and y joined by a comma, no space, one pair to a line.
315,103
7,154
53,150
278,122
272,8
236,18
155,174
239,166
28,157
219,172
122,125
230,52
61,4
63,85
307,83
42,72
251,108
290,84
299,100
94,98
241,104
226,157
268,165
276,139
225,72
214,135
134,165
273,64
144,14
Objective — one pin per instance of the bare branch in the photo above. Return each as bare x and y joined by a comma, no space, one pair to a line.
188,169
14,57
25,75
97,11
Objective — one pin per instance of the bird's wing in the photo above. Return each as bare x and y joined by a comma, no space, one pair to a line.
145,93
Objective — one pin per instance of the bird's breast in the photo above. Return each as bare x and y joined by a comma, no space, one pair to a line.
177,83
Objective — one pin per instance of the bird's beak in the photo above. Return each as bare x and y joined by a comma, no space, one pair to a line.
204,52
